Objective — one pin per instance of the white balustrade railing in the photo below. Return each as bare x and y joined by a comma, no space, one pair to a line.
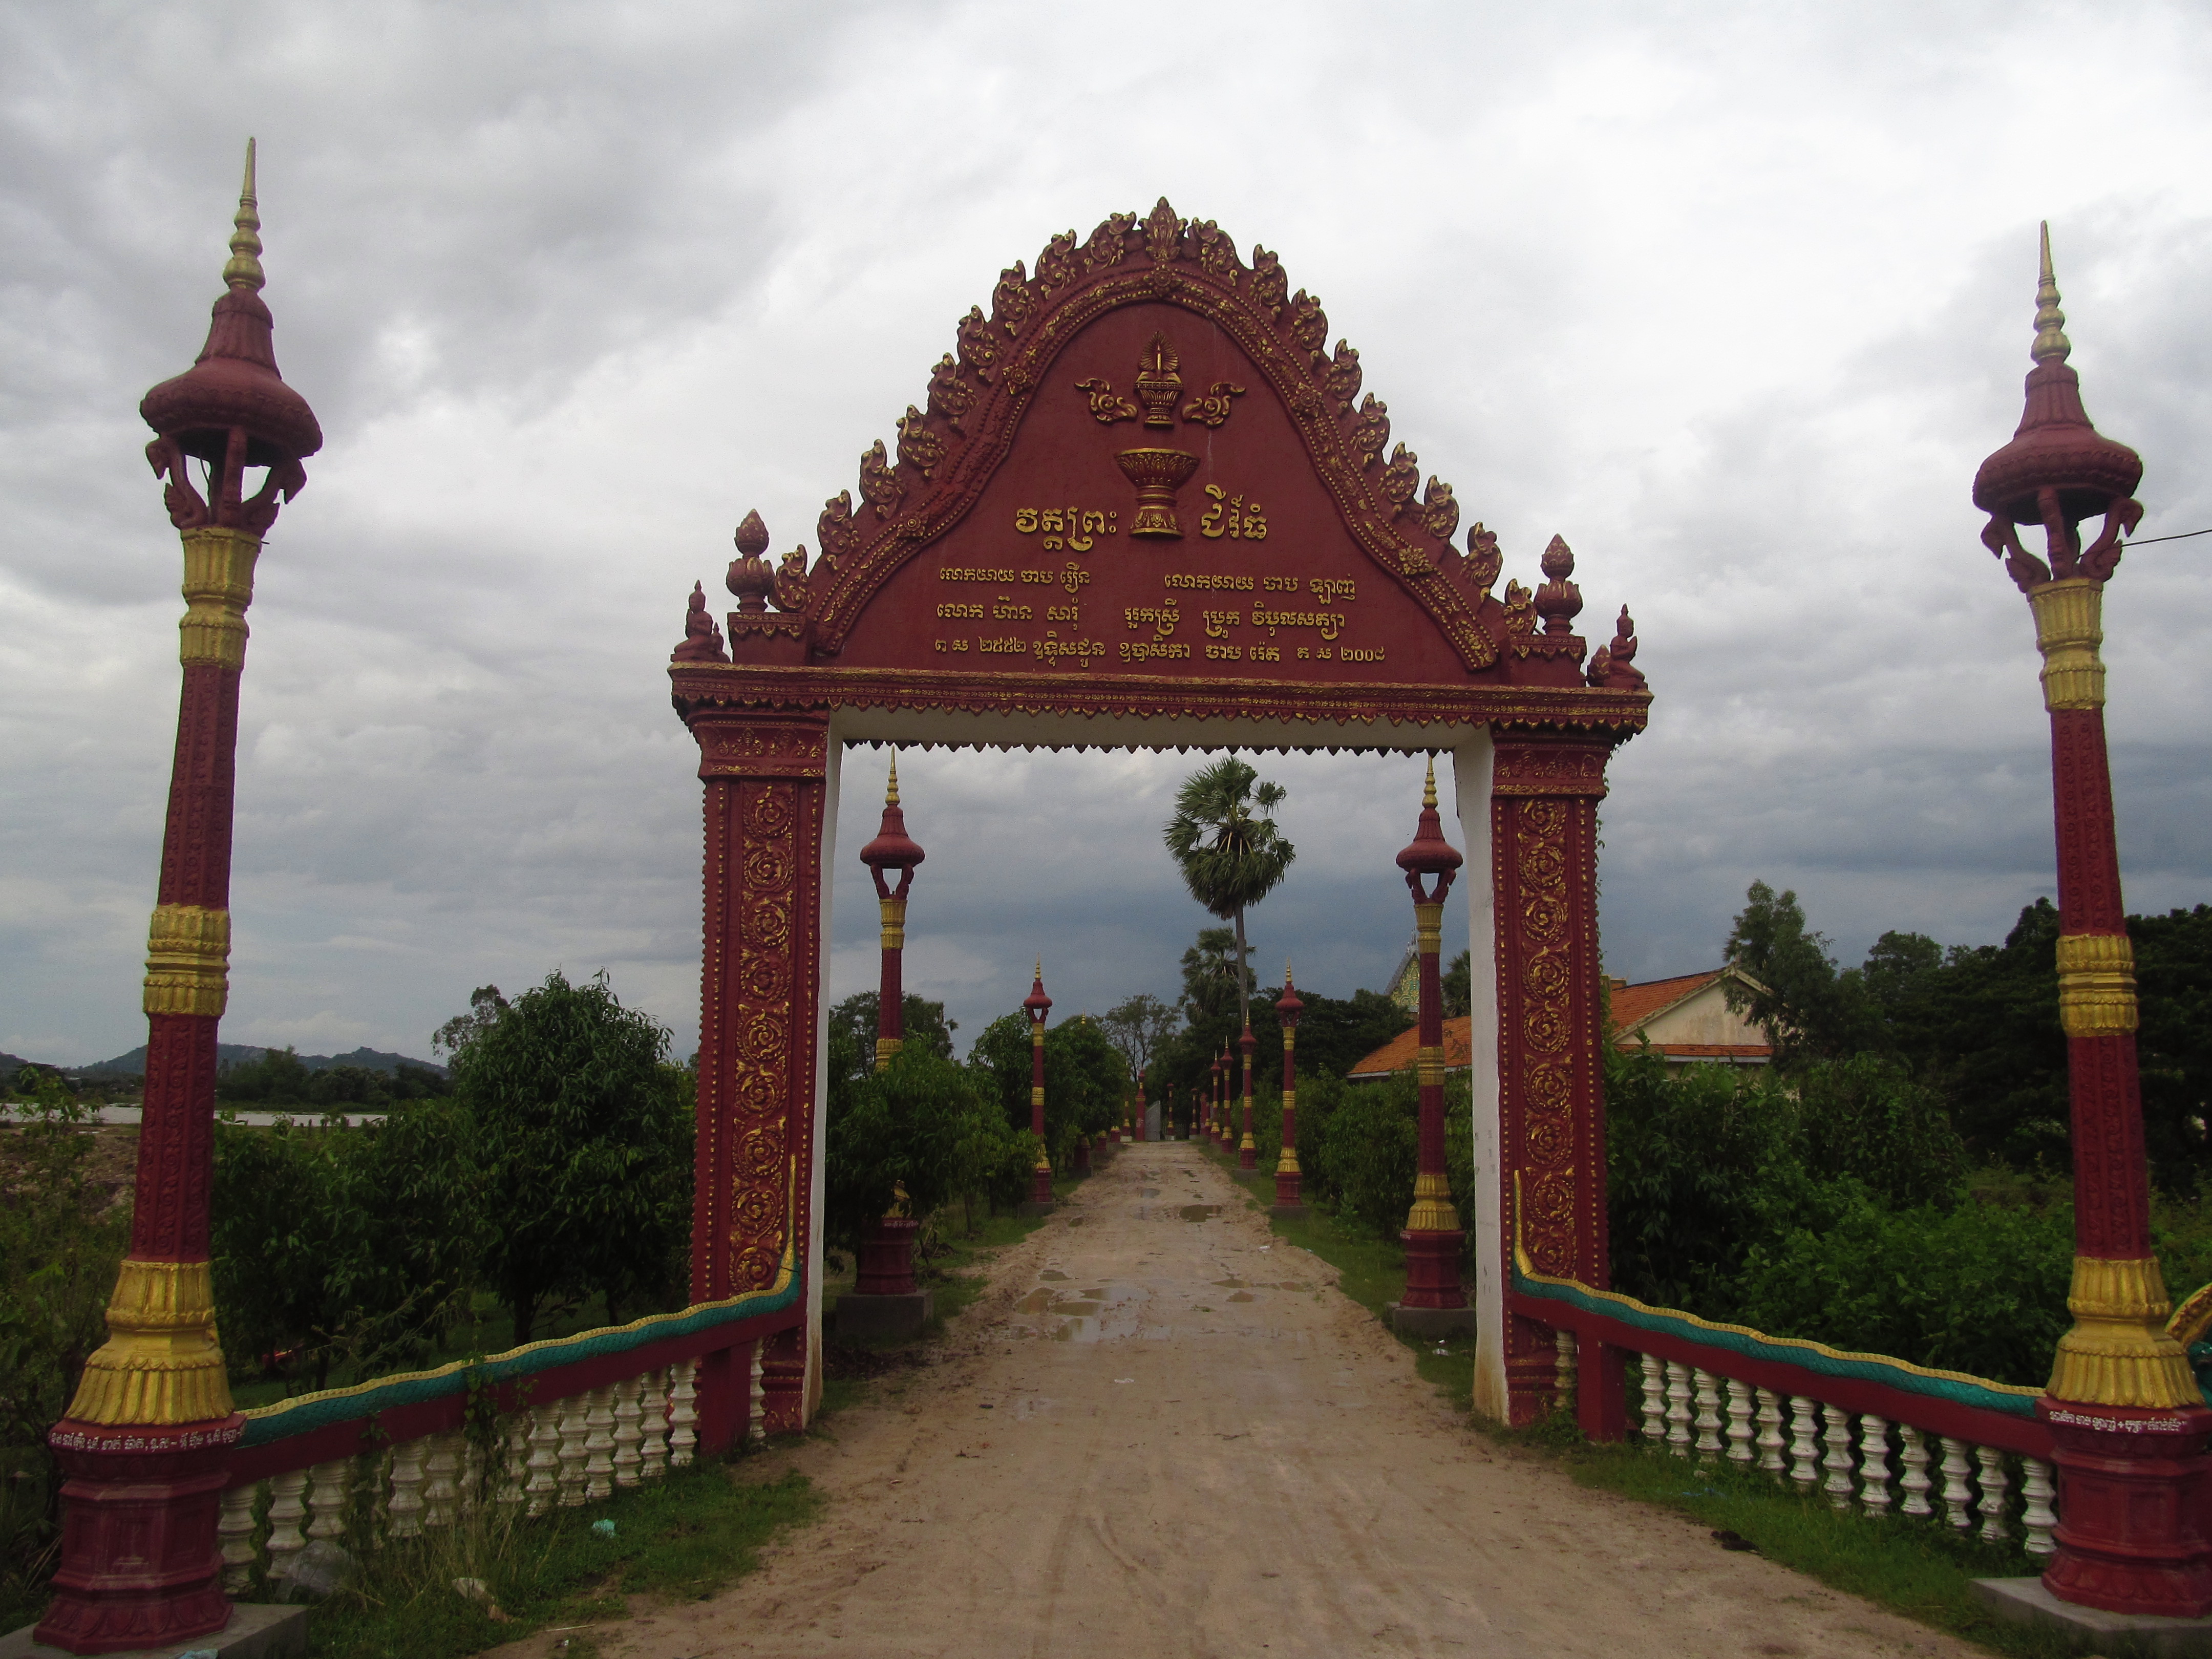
1854,1460
556,1454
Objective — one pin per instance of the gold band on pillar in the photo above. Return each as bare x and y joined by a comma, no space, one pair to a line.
885,1048
1428,928
2120,1352
218,588
1429,1065
1433,1211
894,933
2069,628
2096,984
188,961
162,1361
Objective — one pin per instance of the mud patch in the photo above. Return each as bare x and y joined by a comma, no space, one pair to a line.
1199,1212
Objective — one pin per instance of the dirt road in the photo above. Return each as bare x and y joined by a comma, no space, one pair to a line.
1163,1432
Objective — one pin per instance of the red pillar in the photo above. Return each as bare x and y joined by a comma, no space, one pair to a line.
1433,1235
1036,1005
1247,1152
892,849
1545,791
1288,1202
765,777
142,1445
2128,1421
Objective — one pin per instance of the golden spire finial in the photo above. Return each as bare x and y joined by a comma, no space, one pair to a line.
1428,789
2051,345
1040,970
890,793
245,265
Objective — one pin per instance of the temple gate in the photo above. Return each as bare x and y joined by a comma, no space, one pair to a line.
1143,505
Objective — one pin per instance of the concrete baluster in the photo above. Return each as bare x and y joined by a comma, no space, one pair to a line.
599,1444
2038,1518
683,1413
1709,1414
543,1484
1996,1493
628,1435
234,1527
1655,1398
755,1425
1804,1468
440,1466
1769,1440
1874,1464
1916,1482
327,1484
652,1414
406,1503
286,1511
514,1460
1739,1422
1564,1363
1958,1496
1678,1409
573,1453
1837,1435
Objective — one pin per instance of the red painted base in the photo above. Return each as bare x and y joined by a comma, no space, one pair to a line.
783,1382
1286,1188
1432,1269
1532,1374
1041,1187
140,1560
886,1258
1082,1158
2134,1483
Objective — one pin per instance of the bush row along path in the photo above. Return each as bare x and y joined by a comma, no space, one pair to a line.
1163,1431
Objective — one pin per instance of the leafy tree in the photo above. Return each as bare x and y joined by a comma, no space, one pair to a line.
1230,859
1864,1117
277,1079
486,1009
584,1135
1809,1009
1138,1027
927,1028
61,1243
1085,1079
923,1125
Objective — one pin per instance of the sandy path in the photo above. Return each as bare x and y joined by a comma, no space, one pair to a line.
1164,1436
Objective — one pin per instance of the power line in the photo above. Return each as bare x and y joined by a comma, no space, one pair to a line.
2145,541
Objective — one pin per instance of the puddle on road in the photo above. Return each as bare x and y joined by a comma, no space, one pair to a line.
1051,1274
1199,1212
1229,1283
1106,1313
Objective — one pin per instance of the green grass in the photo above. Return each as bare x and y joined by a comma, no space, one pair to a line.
683,1536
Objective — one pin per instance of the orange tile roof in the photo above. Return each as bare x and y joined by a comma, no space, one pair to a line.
1400,1053
1631,1005
1634,1004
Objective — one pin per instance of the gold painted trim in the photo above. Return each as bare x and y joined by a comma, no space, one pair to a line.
187,961
1429,1065
885,1048
1288,1163
218,588
2096,984
1433,1211
894,923
162,1361
2069,628
2120,1351
1428,928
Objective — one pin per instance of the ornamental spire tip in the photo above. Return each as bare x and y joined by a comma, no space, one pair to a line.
2052,344
1428,789
891,790
244,268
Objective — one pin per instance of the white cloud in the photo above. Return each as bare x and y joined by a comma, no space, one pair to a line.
1735,299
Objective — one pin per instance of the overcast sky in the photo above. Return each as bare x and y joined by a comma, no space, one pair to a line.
1735,298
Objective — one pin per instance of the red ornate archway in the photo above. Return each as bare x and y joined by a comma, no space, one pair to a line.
1144,505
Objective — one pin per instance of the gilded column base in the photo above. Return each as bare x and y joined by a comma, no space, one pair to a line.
162,1361
2118,1352
885,1048
1433,1211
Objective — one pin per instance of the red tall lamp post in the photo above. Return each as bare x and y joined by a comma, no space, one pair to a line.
1288,1200
1036,1005
2128,1421
1247,1150
142,1445
1435,1303
891,849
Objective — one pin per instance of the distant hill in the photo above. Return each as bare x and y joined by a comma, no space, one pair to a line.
229,1053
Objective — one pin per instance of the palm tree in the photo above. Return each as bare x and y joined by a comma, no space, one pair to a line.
1230,857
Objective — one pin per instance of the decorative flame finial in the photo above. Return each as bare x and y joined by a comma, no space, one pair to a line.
891,790
1429,788
244,269
2052,344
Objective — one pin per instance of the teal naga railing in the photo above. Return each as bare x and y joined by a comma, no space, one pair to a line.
1853,1421
569,1420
